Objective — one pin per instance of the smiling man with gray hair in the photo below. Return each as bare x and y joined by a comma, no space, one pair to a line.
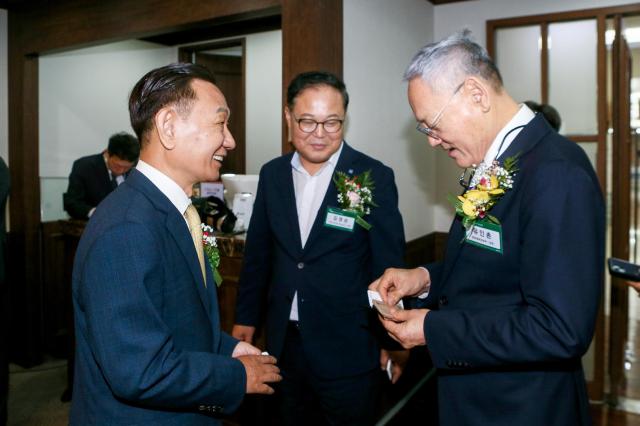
511,310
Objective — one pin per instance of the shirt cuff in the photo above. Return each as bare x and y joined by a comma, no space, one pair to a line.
91,212
425,293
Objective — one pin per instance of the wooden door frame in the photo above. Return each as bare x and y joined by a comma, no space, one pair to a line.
596,387
312,38
185,54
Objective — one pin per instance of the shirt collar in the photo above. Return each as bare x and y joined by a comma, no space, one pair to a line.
332,161
166,185
522,117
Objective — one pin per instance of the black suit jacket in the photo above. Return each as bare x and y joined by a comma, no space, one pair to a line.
331,274
509,330
89,184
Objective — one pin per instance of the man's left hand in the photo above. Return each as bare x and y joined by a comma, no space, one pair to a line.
406,326
398,362
244,348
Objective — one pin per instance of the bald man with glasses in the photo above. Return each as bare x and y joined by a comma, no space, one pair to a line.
308,262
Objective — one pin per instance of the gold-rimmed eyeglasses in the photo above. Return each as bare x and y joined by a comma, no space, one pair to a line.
308,125
431,131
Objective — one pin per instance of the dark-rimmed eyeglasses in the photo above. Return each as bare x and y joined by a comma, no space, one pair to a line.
431,131
308,125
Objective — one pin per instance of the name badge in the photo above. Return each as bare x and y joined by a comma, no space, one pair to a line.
486,235
340,219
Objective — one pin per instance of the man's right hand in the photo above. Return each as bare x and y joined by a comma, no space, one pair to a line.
395,284
243,332
260,370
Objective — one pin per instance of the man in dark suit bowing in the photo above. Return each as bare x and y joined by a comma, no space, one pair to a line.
512,308
93,177
149,346
313,243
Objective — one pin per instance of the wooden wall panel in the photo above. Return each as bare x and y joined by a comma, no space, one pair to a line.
63,24
24,208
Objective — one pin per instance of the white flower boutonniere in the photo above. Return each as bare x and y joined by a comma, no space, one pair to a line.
355,194
211,251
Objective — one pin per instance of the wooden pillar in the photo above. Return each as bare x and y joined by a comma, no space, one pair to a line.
311,40
23,269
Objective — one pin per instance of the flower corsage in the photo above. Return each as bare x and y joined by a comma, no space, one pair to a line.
211,251
355,195
488,185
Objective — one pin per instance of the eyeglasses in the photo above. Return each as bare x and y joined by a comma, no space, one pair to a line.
431,130
308,125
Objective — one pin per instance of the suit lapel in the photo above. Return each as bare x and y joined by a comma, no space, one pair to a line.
177,228
289,203
106,176
345,163
521,145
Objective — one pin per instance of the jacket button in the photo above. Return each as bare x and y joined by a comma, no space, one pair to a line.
300,265
443,301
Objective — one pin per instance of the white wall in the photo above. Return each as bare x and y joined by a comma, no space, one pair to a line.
4,88
83,98
263,93
380,37
473,15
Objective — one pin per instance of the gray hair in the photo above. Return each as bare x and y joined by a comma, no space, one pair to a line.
448,62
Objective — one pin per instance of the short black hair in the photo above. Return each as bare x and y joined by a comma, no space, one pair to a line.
548,112
167,85
124,146
314,79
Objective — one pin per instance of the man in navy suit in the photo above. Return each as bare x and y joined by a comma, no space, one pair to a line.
312,275
149,346
512,308
93,177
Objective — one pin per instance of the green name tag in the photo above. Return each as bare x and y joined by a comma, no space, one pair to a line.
340,219
486,235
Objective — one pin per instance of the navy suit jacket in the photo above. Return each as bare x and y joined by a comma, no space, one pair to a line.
509,329
149,347
89,184
331,274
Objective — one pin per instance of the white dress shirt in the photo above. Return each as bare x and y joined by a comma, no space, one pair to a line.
522,118
310,191
167,186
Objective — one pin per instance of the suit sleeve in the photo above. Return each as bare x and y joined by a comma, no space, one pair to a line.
386,235
256,267
74,199
129,339
227,344
386,239
561,270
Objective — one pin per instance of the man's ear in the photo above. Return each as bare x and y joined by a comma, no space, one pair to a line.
289,118
478,92
166,121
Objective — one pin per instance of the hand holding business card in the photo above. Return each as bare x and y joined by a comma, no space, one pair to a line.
375,301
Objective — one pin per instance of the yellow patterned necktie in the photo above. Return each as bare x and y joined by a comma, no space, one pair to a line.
193,219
